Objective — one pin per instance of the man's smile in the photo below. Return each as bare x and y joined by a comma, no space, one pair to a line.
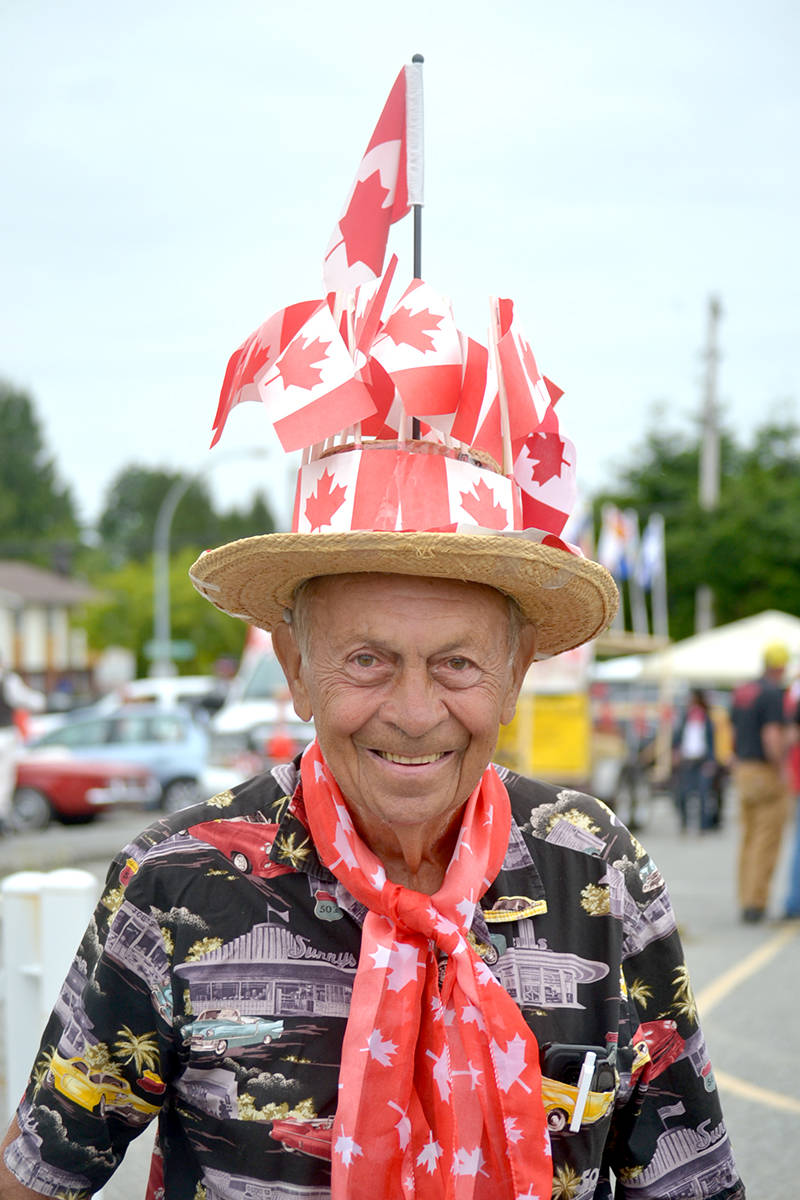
407,761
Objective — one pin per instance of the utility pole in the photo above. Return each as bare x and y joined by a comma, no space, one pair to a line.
708,482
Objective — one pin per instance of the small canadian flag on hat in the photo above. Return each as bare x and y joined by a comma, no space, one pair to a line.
248,365
313,391
419,347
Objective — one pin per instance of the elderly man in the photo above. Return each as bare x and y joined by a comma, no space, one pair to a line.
388,968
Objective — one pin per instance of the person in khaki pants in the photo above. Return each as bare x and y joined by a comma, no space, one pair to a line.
758,775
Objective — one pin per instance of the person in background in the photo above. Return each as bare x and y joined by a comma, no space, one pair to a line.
696,762
791,909
16,699
760,745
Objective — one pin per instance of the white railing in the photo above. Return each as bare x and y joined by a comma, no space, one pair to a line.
44,917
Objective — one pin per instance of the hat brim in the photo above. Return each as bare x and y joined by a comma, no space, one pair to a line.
569,599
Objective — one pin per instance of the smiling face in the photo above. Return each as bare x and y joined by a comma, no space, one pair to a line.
408,681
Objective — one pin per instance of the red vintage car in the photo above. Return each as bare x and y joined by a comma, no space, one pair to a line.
73,790
246,843
664,1046
313,1137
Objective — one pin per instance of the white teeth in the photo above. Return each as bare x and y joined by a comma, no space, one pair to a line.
399,758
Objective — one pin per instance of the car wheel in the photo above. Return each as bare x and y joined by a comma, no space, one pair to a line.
240,861
267,1039
556,1120
180,793
221,1046
31,809
101,1107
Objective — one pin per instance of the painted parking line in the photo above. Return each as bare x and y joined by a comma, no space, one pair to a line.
750,1091
716,992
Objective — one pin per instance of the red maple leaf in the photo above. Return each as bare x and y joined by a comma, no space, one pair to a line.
321,506
256,355
546,454
365,225
410,329
480,506
296,366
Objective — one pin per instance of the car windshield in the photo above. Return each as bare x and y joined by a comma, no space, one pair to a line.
267,679
82,733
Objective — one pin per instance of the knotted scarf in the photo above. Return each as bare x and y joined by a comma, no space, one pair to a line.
439,1087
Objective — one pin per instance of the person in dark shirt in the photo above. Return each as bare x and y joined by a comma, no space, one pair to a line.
759,779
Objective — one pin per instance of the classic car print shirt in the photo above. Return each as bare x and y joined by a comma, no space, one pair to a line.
213,984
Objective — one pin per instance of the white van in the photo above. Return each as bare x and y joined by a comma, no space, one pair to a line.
256,726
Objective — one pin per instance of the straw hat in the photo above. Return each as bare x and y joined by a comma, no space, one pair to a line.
568,598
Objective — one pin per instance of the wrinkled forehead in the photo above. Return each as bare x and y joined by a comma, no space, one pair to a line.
367,592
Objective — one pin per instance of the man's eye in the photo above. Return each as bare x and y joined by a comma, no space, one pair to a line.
458,664
364,660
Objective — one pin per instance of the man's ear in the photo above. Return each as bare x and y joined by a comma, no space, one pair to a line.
523,658
288,654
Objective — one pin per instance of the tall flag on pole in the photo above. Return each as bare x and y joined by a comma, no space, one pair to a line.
651,572
388,182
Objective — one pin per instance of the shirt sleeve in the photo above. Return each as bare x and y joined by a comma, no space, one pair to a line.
107,1050
668,1136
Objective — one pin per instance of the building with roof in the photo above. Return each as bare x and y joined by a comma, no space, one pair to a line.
37,636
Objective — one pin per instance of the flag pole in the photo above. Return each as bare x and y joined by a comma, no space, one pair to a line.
417,209
417,199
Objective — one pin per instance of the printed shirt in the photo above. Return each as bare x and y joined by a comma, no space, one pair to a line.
213,984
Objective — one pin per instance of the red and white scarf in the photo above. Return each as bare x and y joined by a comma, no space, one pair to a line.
439,1088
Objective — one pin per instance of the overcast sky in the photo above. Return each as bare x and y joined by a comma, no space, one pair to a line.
173,172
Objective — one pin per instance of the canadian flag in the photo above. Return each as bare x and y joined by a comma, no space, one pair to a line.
313,391
387,489
526,390
476,420
388,182
248,364
545,472
419,347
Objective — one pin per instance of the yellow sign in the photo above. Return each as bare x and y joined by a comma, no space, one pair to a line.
549,738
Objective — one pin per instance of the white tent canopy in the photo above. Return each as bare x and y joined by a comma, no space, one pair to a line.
726,655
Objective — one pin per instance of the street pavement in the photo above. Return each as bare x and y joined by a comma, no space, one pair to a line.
746,980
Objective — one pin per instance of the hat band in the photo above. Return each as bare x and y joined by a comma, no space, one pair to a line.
385,487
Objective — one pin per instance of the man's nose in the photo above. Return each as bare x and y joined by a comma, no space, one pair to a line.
414,705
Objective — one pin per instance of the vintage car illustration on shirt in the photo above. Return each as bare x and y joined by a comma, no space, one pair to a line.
99,1090
559,1104
313,1137
246,843
664,1045
223,1029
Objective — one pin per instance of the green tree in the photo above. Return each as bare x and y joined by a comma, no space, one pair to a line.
748,549
37,514
124,615
245,522
133,500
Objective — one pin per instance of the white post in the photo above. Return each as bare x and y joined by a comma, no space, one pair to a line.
44,917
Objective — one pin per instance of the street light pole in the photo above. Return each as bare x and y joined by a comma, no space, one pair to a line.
708,483
162,631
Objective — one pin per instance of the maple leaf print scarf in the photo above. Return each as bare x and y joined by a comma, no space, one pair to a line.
439,1087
